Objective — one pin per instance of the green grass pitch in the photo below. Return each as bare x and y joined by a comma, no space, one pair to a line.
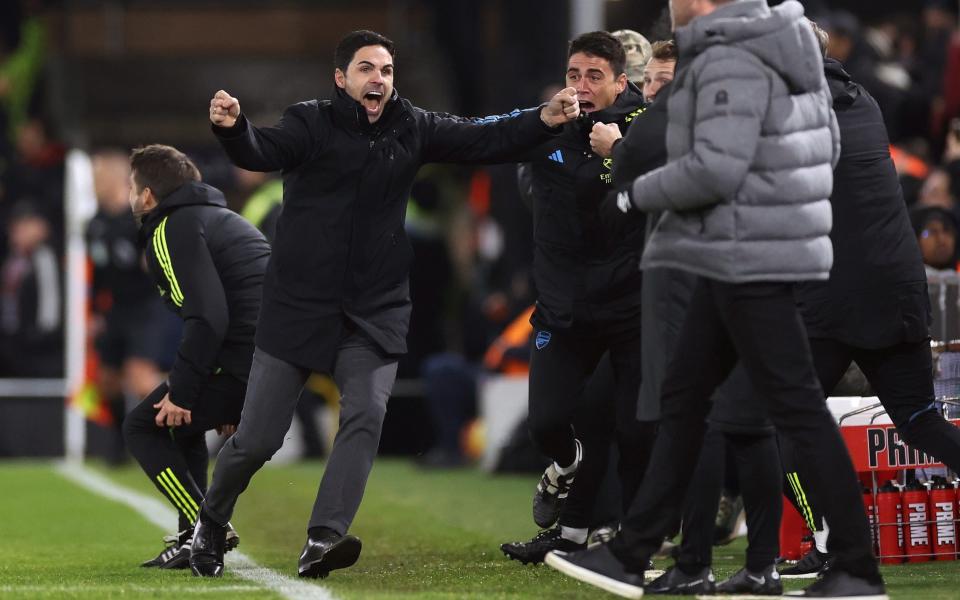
426,535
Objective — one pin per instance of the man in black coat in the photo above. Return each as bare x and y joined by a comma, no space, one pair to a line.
336,294
207,263
875,309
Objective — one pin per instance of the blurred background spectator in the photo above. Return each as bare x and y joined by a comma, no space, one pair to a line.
31,302
135,336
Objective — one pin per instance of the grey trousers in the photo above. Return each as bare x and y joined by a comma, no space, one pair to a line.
365,379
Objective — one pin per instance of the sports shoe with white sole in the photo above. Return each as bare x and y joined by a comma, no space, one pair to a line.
598,567
677,583
743,582
809,566
840,585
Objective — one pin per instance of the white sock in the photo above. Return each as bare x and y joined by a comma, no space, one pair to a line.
820,538
574,534
572,466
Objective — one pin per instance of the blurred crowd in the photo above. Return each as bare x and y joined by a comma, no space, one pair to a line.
31,204
470,229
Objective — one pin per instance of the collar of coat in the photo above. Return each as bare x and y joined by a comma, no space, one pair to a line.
352,114
189,194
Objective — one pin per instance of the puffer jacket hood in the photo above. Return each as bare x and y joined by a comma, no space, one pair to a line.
770,34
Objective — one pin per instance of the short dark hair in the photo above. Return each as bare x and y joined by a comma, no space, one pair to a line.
353,41
602,45
161,168
665,50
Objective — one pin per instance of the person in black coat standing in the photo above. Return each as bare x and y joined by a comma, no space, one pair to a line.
875,309
336,293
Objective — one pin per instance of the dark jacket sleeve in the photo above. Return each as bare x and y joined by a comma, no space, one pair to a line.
197,289
496,139
644,147
281,147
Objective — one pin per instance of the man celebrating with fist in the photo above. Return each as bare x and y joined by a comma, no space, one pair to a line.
336,296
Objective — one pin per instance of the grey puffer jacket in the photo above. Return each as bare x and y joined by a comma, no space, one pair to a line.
752,141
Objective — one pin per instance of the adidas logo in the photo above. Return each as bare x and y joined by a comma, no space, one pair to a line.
556,157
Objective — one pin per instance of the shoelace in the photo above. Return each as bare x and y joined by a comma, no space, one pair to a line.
547,534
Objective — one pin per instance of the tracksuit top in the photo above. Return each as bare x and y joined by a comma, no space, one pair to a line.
208,264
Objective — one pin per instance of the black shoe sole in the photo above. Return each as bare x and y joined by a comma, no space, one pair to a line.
207,570
520,558
341,555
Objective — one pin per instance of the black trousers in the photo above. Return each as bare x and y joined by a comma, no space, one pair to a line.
175,458
560,410
901,376
757,466
758,324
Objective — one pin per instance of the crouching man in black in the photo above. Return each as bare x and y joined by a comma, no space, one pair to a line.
208,264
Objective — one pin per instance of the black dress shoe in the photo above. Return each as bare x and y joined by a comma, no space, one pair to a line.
324,554
209,545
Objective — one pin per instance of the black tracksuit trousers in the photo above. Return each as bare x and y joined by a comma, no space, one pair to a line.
759,325
561,365
175,458
758,473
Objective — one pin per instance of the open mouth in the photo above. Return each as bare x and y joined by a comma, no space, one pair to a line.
586,105
372,102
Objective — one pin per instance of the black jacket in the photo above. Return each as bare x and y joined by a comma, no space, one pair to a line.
644,148
208,263
582,275
340,247
877,292
666,292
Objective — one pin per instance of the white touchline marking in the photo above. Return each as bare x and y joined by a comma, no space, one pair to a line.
117,589
163,516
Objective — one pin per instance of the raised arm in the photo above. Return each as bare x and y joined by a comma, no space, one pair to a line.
502,138
281,147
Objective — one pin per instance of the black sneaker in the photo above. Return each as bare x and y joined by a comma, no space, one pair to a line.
536,549
177,553
842,585
765,583
552,491
324,554
170,557
600,568
808,567
209,545
676,582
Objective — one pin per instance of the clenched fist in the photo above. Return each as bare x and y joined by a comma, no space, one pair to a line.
562,108
224,109
602,138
